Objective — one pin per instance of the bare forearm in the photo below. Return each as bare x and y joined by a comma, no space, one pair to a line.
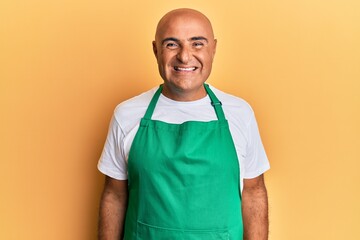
112,215
255,213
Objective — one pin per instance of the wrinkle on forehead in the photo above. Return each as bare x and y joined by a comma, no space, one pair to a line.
185,13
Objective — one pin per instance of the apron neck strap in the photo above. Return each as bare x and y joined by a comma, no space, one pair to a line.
151,107
214,102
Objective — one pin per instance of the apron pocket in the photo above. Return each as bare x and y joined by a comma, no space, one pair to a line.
150,232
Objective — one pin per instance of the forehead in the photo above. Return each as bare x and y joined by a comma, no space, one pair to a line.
184,26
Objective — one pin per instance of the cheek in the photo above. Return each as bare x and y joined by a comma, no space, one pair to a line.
205,57
207,61
162,63
169,57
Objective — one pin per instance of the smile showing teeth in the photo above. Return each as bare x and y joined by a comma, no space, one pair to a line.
188,69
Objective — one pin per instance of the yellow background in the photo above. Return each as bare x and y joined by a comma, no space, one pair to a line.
65,65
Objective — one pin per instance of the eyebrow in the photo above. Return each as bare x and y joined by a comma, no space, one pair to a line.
199,38
170,39
191,39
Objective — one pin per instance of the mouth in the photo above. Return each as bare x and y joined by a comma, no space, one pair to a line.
185,69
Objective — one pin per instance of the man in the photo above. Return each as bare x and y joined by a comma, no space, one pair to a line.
176,157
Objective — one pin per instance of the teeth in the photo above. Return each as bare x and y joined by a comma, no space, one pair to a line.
185,69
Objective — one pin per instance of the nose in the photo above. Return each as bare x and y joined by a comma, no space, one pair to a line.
184,55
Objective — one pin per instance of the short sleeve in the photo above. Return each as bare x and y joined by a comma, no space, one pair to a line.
112,161
256,160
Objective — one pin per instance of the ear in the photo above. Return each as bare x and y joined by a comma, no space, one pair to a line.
155,49
215,43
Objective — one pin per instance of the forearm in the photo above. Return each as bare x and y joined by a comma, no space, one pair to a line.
255,213
112,215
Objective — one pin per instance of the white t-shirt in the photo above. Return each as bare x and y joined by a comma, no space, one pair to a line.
125,123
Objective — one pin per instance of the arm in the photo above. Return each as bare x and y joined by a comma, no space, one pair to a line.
255,209
112,209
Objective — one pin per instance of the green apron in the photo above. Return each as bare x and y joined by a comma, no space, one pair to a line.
183,180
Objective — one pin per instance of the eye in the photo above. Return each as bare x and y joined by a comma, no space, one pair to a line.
198,44
171,45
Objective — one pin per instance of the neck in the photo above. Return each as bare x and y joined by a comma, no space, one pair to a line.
184,95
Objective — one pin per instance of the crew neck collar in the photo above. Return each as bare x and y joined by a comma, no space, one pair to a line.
205,99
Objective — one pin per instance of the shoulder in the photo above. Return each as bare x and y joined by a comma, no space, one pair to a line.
230,100
134,108
234,107
140,100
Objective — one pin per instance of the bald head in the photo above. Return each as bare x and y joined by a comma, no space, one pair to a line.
186,15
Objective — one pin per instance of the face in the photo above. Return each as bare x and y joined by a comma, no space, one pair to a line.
184,47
